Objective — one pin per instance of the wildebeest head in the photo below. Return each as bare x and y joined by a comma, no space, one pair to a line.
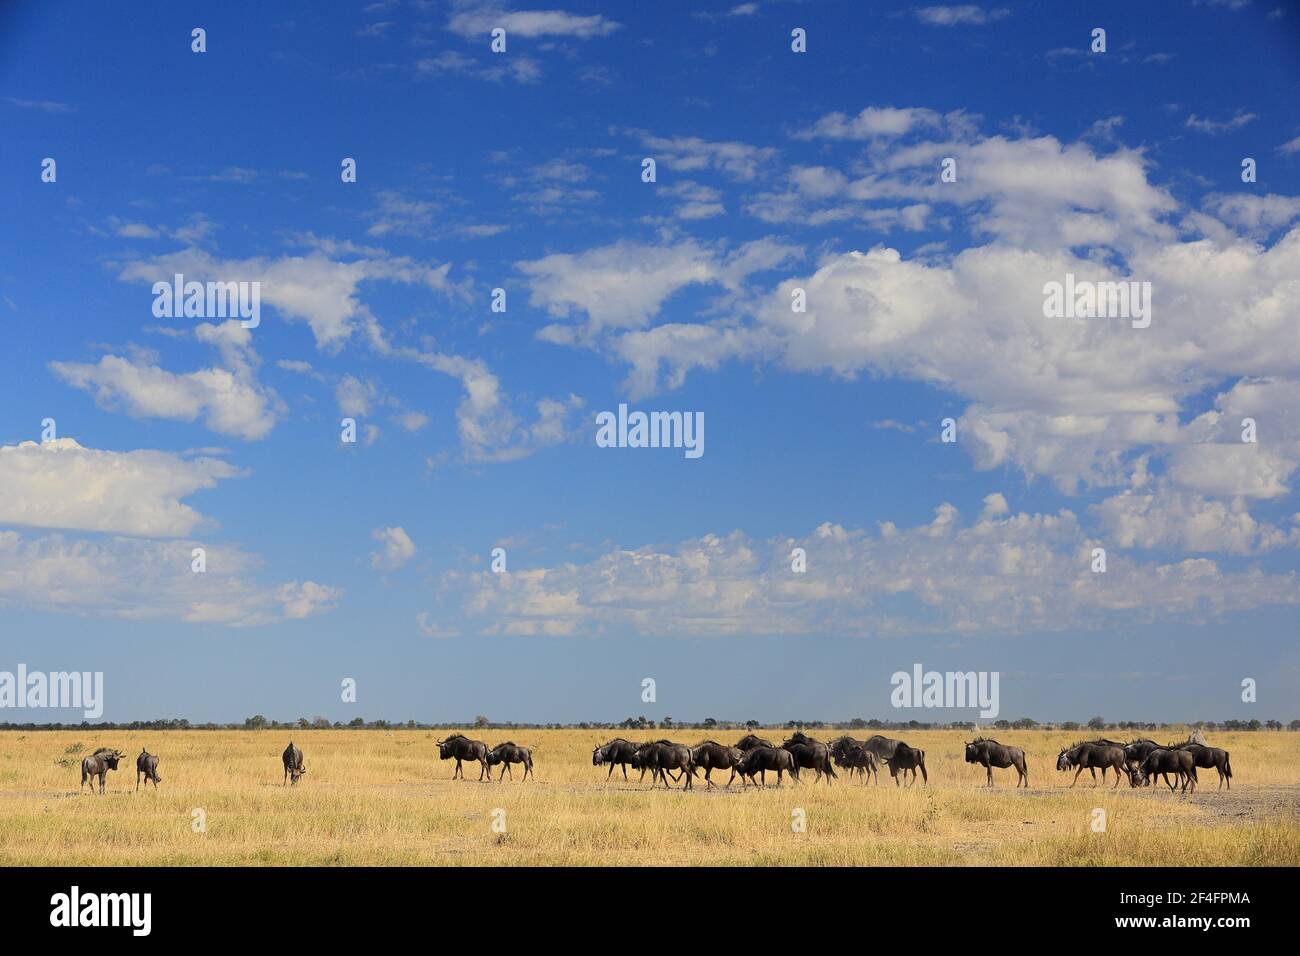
972,753
447,748
1063,760
109,756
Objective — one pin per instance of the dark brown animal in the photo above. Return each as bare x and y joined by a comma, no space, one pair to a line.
458,747
617,752
98,765
292,760
855,756
663,756
1090,756
1164,762
810,754
711,755
749,742
907,758
1207,757
146,764
989,754
508,753
760,760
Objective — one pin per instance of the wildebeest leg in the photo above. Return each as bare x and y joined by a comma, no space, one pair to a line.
707,772
1076,776
989,768
763,775
137,781
611,772
286,777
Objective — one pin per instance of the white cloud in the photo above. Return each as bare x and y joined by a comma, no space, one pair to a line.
139,580
229,399
967,14
1003,573
60,484
398,548
477,19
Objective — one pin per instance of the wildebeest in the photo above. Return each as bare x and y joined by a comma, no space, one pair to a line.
146,764
617,751
761,759
661,757
1136,751
459,747
98,765
907,758
1164,762
711,755
508,753
1089,756
882,747
853,755
1206,757
810,754
989,754
293,767
749,742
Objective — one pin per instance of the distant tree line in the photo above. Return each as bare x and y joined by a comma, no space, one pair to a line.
259,722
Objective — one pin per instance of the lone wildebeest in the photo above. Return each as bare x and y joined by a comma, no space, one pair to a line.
760,760
1089,756
1164,762
711,755
460,747
293,767
98,765
617,751
508,753
146,764
810,754
989,754
1207,757
749,742
907,758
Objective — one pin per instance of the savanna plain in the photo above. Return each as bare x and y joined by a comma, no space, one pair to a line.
374,797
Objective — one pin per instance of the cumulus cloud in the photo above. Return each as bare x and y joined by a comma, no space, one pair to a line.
229,399
143,580
1006,572
60,484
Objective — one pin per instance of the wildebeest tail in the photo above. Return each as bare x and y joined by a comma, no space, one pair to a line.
1227,764
924,776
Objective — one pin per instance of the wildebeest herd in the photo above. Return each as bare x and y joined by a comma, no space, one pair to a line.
751,758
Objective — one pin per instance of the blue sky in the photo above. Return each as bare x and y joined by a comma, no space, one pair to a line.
775,171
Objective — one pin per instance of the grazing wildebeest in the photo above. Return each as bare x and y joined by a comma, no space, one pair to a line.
617,751
711,755
989,754
1134,753
857,757
146,764
810,754
662,756
749,742
1089,756
508,753
1164,762
98,765
760,760
459,747
907,758
1207,757
292,760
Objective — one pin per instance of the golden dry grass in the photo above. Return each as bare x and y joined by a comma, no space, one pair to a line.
375,797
